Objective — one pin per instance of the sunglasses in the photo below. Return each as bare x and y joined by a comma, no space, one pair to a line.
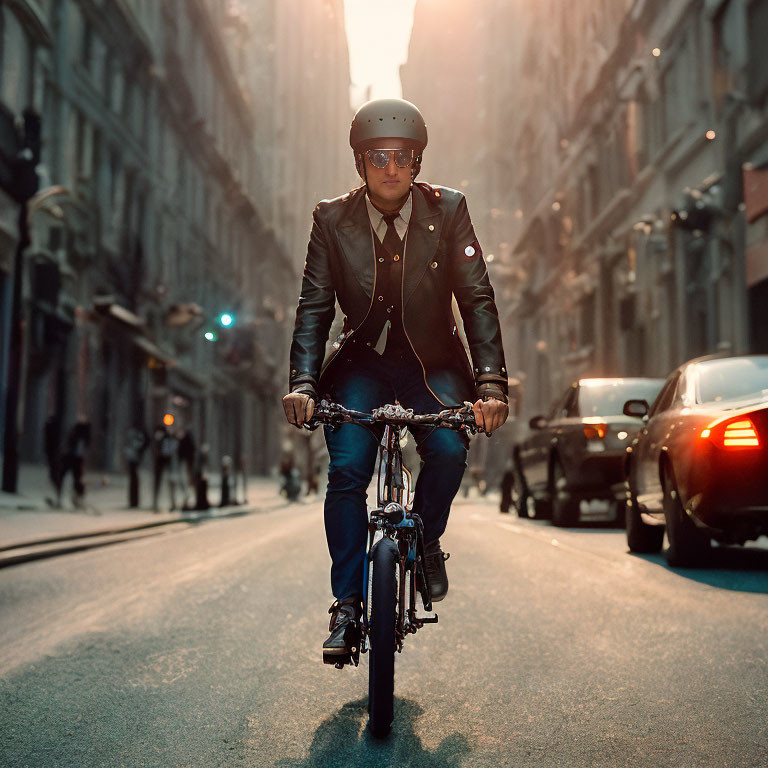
379,158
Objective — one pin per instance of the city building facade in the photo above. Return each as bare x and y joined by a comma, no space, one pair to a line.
624,177
158,214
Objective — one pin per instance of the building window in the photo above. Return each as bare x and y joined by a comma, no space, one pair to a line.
722,64
84,148
16,63
593,183
86,49
757,71
116,96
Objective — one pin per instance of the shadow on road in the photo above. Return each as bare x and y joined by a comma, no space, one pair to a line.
735,568
343,740
583,526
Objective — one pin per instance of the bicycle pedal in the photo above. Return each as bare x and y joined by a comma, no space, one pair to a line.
338,661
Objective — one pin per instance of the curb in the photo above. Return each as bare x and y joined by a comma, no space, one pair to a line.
39,549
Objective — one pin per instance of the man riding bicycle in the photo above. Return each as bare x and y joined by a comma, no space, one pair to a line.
393,253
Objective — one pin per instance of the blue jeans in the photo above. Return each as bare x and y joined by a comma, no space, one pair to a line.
365,381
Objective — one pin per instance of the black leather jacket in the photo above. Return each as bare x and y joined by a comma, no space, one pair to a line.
441,258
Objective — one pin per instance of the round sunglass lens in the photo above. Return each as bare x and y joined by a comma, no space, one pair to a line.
378,157
403,158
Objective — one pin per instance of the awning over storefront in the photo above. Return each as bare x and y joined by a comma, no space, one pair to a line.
133,328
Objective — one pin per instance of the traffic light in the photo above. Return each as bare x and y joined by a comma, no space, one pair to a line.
226,319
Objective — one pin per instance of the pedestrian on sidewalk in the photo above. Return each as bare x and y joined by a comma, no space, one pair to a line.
187,452
201,478
136,441
226,481
52,443
73,460
166,457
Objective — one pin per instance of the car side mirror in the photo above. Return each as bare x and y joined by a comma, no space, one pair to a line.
636,408
537,422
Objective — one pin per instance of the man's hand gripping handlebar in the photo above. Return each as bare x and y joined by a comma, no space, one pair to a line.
332,414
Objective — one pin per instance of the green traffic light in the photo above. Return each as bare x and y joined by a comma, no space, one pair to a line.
225,319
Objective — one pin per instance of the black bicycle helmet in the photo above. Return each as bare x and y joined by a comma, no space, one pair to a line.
387,118
383,119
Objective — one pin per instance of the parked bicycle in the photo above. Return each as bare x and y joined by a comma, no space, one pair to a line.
395,559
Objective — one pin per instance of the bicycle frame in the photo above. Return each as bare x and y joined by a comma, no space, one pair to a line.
392,518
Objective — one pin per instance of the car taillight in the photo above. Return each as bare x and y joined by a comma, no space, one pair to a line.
595,431
740,433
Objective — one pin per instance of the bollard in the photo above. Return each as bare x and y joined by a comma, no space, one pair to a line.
226,473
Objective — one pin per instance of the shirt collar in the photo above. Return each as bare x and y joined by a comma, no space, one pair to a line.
376,217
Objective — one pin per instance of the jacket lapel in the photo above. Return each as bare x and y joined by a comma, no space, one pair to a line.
421,243
354,233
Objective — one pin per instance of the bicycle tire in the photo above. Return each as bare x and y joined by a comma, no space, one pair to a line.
381,671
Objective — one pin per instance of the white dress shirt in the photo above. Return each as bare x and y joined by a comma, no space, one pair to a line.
376,218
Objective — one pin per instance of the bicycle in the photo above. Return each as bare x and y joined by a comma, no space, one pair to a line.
395,557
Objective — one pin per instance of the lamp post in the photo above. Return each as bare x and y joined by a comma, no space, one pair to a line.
24,189
22,184
11,437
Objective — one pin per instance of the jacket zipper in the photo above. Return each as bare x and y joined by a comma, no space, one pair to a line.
402,320
360,324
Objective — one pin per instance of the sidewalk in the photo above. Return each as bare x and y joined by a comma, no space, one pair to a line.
28,519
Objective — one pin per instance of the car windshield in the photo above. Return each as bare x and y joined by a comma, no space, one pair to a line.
607,399
734,378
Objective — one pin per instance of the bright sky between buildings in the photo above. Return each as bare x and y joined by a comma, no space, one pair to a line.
378,33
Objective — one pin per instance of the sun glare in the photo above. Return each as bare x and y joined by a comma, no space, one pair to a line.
378,33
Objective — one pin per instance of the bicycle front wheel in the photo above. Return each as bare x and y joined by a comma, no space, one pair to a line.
381,672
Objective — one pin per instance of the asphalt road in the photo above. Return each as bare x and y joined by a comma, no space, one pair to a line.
200,646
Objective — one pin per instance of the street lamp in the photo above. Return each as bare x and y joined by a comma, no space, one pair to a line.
27,207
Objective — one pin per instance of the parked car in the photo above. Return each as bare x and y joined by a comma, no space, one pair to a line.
699,465
576,452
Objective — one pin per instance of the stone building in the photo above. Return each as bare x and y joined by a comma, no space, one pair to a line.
624,173
312,157
160,142
639,251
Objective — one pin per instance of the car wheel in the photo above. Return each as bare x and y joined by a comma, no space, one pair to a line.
687,544
641,537
507,491
519,492
542,508
514,495
619,512
565,510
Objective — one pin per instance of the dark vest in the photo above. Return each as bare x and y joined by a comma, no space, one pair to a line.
387,304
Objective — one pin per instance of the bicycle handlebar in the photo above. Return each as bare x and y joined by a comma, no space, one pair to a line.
453,418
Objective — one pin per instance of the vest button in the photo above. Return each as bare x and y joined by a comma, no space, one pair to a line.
431,227
381,259
433,265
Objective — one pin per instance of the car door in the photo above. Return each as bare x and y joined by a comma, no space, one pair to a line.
651,439
538,446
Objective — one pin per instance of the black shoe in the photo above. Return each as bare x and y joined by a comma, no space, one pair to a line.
345,627
434,565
